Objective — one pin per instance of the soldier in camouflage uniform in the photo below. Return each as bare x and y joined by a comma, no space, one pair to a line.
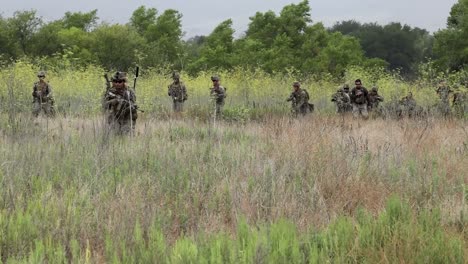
299,99
341,100
407,106
360,100
43,99
374,99
178,92
218,94
120,105
348,106
460,103
444,92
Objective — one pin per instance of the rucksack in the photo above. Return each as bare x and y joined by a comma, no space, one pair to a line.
307,95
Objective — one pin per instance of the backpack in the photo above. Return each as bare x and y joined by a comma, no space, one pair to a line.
307,95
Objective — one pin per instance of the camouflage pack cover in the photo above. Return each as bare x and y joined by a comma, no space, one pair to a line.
120,76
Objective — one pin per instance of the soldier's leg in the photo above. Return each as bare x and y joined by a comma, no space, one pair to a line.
219,109
36,108
52,107
364,112
112,124
125,128
174,106
181,106
178,106
355,111
49,109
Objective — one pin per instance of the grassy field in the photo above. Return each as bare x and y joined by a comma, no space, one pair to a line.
257,187
316,189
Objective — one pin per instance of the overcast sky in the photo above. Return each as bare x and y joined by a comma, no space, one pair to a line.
200,17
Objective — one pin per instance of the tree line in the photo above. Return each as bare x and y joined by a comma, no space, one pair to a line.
284,42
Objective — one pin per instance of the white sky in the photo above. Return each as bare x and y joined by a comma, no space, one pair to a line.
200,17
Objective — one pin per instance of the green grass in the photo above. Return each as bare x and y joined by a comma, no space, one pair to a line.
259,187
281,191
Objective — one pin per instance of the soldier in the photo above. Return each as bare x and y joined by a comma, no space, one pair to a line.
42,97
120,104
299,100
360,100
407,106
460,103
444,92
178,92
348,105
374,99
218,94
341,100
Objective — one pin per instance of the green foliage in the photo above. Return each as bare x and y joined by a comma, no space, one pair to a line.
117,46
83,21
22,27
450,44
142,18
217,49
272,42
402,47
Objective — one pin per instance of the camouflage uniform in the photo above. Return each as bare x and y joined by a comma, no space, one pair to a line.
178,92
460,103
120,105
218,94
407,106
42,97
299,99
348,106
374,99
341,100
360,100
444,105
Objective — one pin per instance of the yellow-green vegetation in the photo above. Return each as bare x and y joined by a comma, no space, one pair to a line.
268,189
251,94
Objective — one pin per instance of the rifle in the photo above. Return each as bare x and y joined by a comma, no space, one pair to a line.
130,101
108,82
135,79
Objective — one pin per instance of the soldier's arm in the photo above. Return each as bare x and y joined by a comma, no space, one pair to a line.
34,93
49,91
366,94
302,99
352,96
110,99
223,91
184,92
170,91
132,96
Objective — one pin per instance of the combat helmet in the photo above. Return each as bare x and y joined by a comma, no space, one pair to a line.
120,76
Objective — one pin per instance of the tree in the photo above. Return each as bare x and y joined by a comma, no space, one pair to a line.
217,51
23,25
401,46
142,18
116,46
451,44
7,49
46,42
164,38
83,21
